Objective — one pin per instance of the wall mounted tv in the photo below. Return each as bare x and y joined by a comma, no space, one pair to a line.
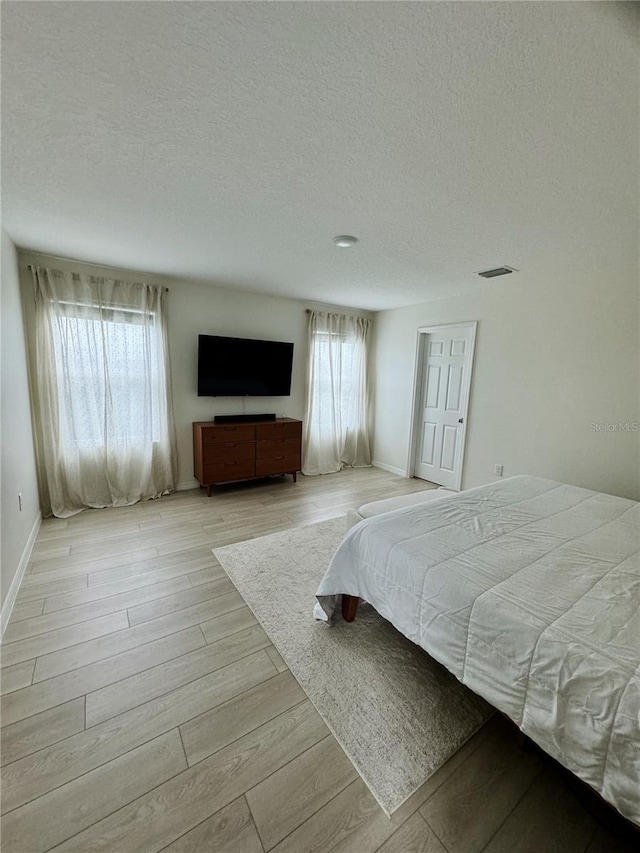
241,367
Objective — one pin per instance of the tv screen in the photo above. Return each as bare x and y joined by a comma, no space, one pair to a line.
241,367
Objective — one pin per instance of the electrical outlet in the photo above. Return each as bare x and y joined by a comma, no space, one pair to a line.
20,501
497,469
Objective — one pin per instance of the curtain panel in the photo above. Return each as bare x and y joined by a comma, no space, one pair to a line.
101,392
336,425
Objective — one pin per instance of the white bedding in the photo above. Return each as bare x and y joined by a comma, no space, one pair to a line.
528,591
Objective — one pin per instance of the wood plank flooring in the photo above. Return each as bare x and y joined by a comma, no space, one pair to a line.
144,709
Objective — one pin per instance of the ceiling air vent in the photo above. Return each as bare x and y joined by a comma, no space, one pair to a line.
497,271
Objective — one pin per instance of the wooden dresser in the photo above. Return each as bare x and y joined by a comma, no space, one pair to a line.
244,451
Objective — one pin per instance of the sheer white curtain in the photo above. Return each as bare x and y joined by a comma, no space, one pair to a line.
102,399
336,430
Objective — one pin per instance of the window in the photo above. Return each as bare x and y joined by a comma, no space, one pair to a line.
112,382
335,380
336,421
103,414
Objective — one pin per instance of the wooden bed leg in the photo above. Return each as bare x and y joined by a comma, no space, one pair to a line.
349,607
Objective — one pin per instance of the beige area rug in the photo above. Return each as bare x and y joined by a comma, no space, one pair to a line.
397,713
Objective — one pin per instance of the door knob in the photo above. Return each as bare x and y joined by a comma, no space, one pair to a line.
460,420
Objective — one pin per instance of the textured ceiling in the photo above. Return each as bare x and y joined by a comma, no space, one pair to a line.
229,142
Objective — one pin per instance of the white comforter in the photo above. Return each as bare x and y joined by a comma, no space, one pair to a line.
528,591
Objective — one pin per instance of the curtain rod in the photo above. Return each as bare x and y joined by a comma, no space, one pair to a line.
31,267
30,252
311,310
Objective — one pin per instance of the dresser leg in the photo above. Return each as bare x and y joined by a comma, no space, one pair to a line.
295,476
209,490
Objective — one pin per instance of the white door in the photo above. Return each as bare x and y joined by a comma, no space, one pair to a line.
444,379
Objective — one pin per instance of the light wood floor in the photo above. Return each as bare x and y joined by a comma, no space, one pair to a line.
144,709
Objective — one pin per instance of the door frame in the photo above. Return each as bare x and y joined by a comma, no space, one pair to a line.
414,433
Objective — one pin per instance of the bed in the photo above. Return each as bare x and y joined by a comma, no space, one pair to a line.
528,591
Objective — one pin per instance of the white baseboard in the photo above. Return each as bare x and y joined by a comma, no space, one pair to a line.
401,472
188,484
12,594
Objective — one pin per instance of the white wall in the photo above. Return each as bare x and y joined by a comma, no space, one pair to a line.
202,308
213,311
18,471
552,358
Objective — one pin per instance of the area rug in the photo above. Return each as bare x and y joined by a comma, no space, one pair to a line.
397,713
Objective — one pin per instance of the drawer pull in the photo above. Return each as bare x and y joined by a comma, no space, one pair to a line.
279,457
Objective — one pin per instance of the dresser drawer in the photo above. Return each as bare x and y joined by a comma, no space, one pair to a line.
228,451
278,430
269,447
221,434
239,469
278,465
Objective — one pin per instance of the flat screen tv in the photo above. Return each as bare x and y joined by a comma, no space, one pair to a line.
241,367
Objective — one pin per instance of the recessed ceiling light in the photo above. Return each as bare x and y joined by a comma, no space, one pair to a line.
345,240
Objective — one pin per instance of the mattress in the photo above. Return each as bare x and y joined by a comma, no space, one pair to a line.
528,591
